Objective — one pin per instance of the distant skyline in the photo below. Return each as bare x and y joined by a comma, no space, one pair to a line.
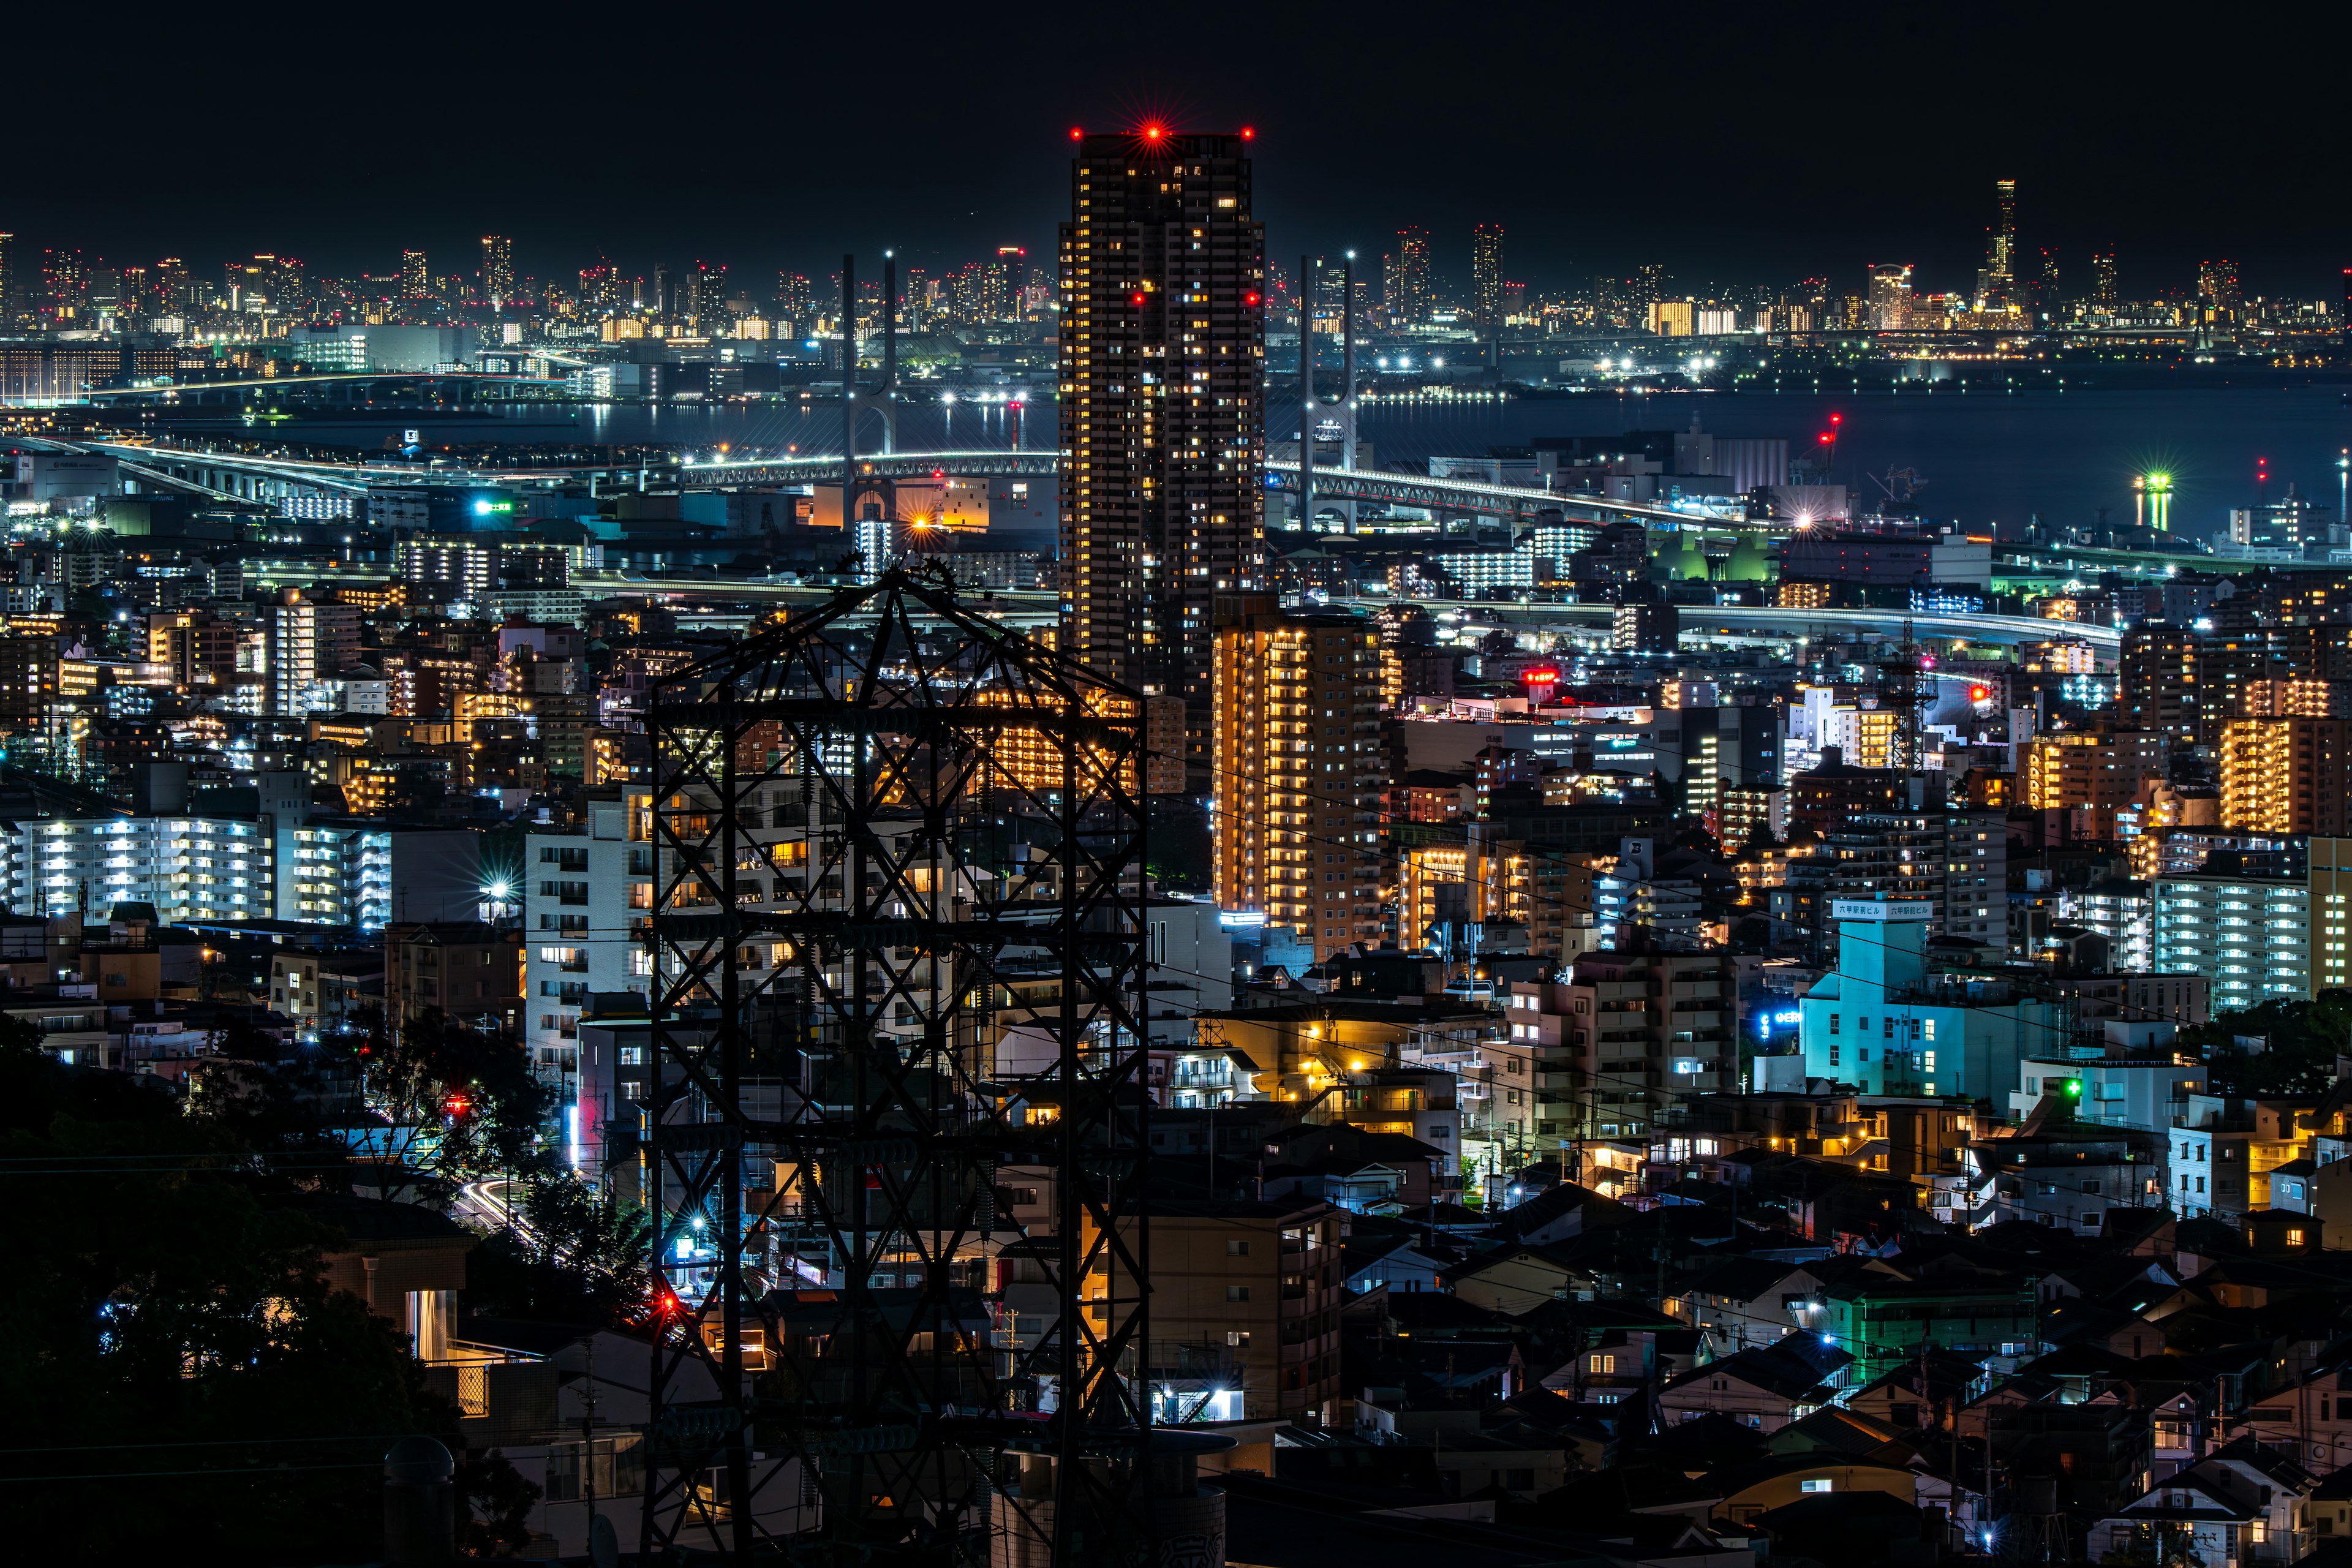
1734,146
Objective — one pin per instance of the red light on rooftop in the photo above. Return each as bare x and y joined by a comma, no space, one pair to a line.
1153,133
1075,133
1248,132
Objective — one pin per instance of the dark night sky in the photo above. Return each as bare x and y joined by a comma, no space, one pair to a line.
1735,143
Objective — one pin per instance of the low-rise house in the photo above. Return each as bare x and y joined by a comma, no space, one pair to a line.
1743,1304
1764,1388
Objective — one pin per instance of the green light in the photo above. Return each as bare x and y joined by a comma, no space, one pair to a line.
2073,1089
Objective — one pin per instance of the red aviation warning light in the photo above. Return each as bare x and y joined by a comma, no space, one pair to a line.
1077,134
1154,131
1980,693
1250,133
1249,299
1138,301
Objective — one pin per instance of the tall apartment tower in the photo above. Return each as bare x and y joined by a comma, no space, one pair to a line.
1163,405
1415,290
498,268
2105,297
2158,679
1486,277
2284,775
415,283
306,641
1296,814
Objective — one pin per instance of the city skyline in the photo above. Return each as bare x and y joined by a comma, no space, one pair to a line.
1586,149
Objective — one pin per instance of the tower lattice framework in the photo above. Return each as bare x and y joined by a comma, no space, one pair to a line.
897,952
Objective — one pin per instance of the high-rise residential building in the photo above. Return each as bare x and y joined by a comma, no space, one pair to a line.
587,895
2158,679
1955,860
1414,293
498,268
2105,299
706,304
7,277
2283,774
67,277
189,868
172,296
1162,405
796,299
2217,289
1003,281
1890,296
1298,772
2249,936
306,641
414,282
1486,277
2098,772
1645,627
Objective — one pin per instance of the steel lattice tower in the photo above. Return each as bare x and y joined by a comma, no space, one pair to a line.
897,946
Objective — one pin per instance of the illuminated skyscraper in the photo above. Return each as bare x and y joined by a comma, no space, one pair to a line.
7,279
414,282
796,299
498,268
1415,291
706,305
1003,282
1890,296
1486,277
172,295
2217,288
1162,404
2000,256
2103,298
66,278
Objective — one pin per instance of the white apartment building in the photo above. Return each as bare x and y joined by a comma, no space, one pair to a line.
2250,937
584,896
306,641
356,871
189,868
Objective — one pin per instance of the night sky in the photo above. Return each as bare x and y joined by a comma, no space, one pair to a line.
1736,144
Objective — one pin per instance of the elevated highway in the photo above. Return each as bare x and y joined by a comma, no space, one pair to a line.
1753,621
259,477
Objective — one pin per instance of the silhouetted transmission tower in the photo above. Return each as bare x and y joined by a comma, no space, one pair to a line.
897,946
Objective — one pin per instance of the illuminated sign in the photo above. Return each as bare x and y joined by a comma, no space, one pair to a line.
1872,910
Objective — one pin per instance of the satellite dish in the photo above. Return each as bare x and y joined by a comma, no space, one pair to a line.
604,1546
